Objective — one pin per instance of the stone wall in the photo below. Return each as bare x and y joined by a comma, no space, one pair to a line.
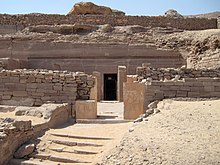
14,133
189,87
137,96
153,21
170,73
35,87
87,57
152,84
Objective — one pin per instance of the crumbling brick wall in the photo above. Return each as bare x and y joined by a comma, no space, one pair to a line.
153,21
170,73
36,87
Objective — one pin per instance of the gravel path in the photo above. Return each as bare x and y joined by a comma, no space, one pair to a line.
184,132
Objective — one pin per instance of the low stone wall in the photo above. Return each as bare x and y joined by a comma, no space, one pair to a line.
35,87
137,96
153,21
151,84
189,87
170,73
14,133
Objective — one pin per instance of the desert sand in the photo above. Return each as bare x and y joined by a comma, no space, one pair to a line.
184,132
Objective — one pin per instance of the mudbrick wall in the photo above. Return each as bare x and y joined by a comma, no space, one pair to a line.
35,87
153,21
14,133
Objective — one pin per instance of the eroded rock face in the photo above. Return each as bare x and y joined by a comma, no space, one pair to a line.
24,150
172,14
84,8
62,29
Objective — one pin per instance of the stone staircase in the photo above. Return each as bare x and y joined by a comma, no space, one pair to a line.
79,144
83,143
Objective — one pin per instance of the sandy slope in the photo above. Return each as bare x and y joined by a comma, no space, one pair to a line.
184,132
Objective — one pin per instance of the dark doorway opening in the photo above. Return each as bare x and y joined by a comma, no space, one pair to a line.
110,86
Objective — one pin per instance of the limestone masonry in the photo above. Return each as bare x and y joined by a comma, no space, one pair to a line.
152,84
14,133
35,87
170,73
54,69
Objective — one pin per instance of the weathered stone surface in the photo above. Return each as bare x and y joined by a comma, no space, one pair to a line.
118,12
176,74
153,105
54,86
86,109
173,14
49,112
24,150
22,125
106,28
6,108
9,63
17,23
17,102
84,8
14,133
133,95
189,87
63,29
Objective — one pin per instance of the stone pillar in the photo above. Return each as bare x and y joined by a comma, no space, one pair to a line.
86,109
122,77
134,100
96,90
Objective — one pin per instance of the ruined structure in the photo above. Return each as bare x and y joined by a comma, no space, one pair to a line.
157,84
76,60
94,42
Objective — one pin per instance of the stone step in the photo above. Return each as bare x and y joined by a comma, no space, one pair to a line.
80,137
59,159
30,162
101,121
73,143
83,152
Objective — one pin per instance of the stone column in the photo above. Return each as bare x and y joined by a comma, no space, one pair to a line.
96,90
122,77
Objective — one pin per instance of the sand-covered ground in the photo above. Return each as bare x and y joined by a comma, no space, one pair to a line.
184,132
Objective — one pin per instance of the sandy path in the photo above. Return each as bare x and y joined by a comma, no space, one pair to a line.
184,132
